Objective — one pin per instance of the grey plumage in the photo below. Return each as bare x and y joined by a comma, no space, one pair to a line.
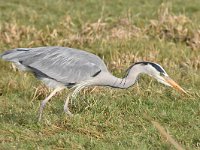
61,67
64,65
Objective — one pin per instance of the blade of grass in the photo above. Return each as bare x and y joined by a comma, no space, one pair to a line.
163,133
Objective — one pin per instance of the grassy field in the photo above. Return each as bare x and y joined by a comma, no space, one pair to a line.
120,32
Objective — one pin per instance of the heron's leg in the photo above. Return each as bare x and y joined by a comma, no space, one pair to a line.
43,103
66,108
72,95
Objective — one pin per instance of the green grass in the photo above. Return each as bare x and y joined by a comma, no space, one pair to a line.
105,118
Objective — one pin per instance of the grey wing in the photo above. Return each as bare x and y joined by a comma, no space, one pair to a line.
65,65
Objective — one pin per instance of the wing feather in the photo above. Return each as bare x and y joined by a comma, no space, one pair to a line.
65,65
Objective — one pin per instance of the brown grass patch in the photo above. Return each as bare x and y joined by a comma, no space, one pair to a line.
178,28
124,30
167,26
13,34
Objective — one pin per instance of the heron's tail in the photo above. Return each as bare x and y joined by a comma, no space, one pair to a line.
13,55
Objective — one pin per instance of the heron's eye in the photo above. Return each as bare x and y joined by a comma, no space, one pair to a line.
162,74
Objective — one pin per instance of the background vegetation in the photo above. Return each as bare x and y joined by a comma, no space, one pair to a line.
120,32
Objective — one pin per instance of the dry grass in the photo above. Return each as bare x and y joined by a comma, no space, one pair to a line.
178,28
169,26
163,133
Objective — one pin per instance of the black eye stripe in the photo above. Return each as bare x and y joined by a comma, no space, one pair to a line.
157,67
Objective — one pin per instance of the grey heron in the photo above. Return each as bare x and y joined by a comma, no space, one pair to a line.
62,67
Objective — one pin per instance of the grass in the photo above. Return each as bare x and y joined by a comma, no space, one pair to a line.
120,32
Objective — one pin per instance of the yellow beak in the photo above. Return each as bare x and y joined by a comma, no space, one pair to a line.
174,85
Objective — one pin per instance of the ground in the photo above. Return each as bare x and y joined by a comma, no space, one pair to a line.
121,33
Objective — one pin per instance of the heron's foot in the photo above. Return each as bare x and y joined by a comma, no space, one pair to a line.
41,110
66,110
66,107
39,117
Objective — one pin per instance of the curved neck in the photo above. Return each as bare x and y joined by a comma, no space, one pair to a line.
128,80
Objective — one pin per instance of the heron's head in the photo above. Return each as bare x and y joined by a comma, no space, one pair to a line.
156,71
